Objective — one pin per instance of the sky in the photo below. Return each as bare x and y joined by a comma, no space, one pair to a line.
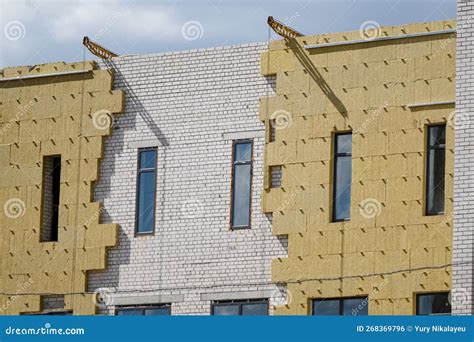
43,31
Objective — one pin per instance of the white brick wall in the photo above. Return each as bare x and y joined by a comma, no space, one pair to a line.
187,100
463,232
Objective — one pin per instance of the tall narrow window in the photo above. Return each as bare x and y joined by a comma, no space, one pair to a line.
50,205
342,177
241,184
146,191
435,160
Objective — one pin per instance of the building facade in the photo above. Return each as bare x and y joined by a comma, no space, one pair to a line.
50,146
364,147
463,233
193,108
307,176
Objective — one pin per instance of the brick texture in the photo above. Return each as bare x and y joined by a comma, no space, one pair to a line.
185,102
463,232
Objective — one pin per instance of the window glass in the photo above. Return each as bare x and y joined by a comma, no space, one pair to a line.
243,151
146,197
342,188
241,185
433,303
148,159
256,309
241,195
326,307
162,310
435,170
226,310
341,306
344,143
355,307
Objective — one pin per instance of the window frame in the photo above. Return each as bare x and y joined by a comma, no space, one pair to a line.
419,294
137,189
142,307
341,302
336,155
240,303
430,148
233,163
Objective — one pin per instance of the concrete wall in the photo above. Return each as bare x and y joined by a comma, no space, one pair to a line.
389,250
191,105
463,233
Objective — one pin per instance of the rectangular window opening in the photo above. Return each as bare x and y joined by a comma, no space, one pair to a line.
241,184
50,198
144,310
355,306
272,127
342,177
433,304
249,307
435,169
275,176
146,191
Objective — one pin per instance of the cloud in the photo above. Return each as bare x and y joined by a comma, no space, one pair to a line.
125,20
60,25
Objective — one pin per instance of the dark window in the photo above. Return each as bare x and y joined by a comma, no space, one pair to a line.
146,310
50,199
272,127
251,307
146,187
241,184
358,306
433,304
435,160
342,177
